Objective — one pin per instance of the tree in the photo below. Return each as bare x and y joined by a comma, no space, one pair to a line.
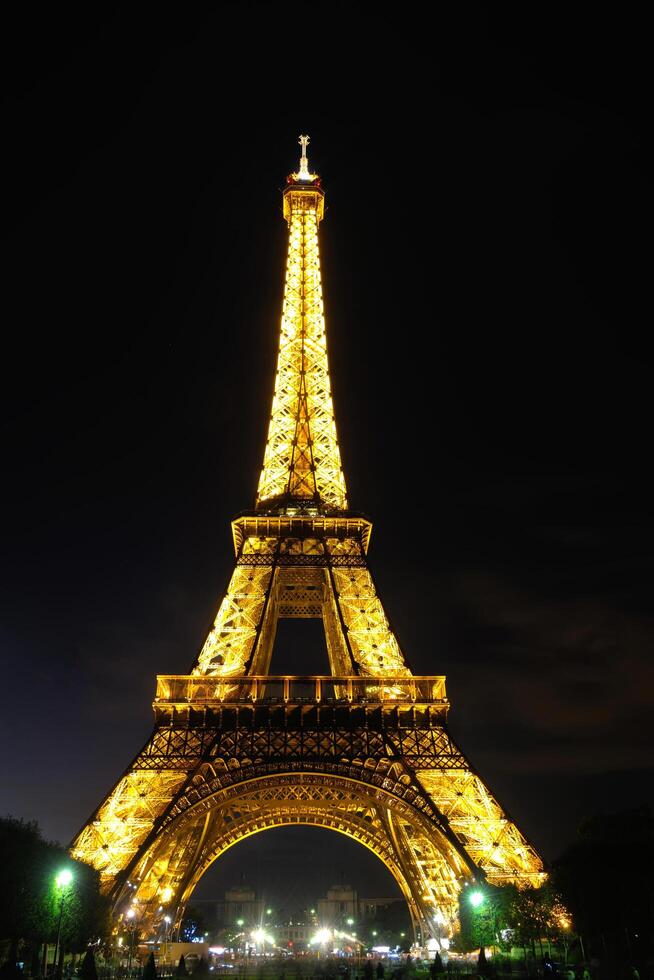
31,903
201,969
88,971
483,913
181,970
483,967
604,879
150,969
193,924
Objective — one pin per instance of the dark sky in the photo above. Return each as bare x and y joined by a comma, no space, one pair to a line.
487,261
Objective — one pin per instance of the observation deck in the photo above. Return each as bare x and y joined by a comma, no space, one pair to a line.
302,700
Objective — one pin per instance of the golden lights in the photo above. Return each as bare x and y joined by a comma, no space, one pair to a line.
405,792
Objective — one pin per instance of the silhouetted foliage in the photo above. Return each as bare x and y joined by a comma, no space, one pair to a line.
605,879
202,968
180,970
30,901
194,924
483,967
88,970
150,969
438,964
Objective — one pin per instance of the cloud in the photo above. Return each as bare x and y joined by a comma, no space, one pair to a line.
562,684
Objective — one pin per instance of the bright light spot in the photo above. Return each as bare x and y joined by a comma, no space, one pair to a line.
381,949
432,945
166,894
322,936
268,911
167,919
259,936
120,940
350,922
445,943
217,950
440,918
64,878
130,913
476,899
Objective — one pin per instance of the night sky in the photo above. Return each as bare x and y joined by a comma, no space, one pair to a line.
486,258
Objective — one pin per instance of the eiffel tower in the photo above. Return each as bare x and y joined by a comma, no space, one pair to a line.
365,750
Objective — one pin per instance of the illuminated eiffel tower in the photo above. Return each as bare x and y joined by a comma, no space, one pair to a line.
364,750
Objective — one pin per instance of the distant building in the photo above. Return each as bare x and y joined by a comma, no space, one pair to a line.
343,903
241,903
238,904
294,936
241,910
369,907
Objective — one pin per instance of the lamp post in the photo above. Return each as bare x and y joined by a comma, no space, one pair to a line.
167,920
477,899
130,915
63,880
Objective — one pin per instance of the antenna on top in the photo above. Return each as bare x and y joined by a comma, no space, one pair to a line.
304,162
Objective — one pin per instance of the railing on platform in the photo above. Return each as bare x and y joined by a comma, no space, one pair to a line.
268,688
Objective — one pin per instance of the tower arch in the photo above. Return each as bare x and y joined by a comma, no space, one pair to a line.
371,815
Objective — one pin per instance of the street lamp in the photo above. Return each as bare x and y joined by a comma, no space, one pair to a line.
240,923
476,898
63,880
167,920
260,937
130,915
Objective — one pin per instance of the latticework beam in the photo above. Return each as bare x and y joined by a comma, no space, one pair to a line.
302,461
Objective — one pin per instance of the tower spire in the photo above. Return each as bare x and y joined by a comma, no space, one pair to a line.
302,461
303,173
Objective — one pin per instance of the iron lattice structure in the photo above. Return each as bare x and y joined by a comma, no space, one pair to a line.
365,750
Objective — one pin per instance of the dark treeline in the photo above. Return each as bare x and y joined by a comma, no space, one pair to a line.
34,909
597,905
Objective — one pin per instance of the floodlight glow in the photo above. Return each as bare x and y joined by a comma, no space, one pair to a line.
476,899
322,936
64,878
